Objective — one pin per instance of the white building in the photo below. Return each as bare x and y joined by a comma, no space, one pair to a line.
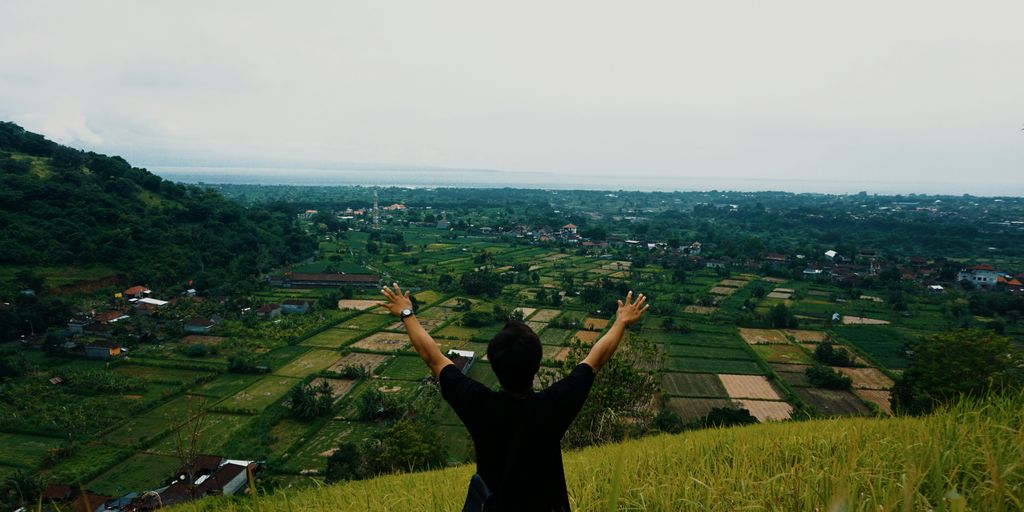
980,275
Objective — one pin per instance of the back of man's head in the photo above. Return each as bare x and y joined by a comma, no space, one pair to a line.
515,354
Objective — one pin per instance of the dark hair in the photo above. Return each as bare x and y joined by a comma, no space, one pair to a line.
515,354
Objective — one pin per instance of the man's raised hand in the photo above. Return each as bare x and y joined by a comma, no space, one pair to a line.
631,311
397,301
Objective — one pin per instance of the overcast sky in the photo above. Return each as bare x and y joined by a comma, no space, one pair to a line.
892,92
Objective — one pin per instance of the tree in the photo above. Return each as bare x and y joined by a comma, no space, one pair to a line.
781,317
668,422
346,463
407,445
959,364
727,417
309,401
480,283
620,401
827,354
827,378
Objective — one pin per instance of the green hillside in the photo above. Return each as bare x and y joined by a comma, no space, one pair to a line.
63,207
966,458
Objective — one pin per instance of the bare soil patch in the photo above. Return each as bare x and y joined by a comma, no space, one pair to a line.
767,410
779,295
360,304
595,324
735,283
804,336
877,397
193,339
828,402
526,311
339,387
762,336
428,323
587,337
748,386
368,361
722,290
699,310
860,320
867,378
383,342
776,280
545,315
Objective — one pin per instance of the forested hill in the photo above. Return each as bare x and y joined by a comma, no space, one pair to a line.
63,206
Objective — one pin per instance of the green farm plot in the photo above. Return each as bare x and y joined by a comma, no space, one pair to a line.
309,363
554,336
23,450
281,356
141,471
175,410
690,409
693,384
458,443
406,367
454,330
311,453
217,429
139,429
335,337
260,395
225,385
367,321
697,365
285,433
782,354
884,344
427,297
482,372
706,339
158,374
677,350
85,460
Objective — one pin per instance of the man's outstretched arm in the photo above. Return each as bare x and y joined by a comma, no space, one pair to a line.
629,312
425,345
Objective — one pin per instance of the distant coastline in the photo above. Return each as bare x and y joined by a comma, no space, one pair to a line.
473,178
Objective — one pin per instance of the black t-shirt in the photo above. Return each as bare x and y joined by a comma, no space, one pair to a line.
536,480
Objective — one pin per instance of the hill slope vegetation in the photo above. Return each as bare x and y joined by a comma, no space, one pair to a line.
62,206
963,458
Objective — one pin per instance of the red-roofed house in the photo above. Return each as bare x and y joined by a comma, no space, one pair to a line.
984,276
199,325
136,291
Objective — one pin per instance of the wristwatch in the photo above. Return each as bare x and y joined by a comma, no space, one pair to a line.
406,313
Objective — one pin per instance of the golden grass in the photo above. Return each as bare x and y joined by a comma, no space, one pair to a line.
966,458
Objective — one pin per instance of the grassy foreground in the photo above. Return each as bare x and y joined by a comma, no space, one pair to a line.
969,457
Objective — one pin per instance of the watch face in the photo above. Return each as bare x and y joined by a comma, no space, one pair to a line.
406,312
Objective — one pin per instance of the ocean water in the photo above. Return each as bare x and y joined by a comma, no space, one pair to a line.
426,178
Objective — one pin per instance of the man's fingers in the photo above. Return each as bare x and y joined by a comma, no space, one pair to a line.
644,309
383,304
386,292
407,292
620,303
398,290
629,298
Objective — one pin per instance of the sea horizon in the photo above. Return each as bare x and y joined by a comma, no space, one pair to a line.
485,178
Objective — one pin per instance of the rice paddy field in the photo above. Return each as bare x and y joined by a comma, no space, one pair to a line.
702,361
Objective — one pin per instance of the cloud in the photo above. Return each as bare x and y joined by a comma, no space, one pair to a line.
61,120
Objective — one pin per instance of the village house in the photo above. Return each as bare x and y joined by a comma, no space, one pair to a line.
212,475
136,292
296,306
103,349
111,317
982,276
268,311
199,325
569,229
